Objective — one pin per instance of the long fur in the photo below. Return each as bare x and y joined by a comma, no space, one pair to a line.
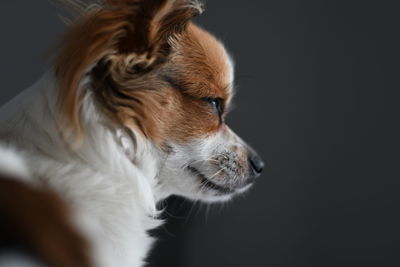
131,113
107,191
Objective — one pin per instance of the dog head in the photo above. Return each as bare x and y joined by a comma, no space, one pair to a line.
153,72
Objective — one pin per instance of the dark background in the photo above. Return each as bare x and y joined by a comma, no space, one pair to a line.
318,96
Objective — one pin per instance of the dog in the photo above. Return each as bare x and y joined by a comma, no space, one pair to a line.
132,112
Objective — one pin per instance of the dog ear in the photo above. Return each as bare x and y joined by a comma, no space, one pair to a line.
152,22
140,29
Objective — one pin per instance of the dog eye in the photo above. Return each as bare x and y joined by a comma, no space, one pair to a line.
216,103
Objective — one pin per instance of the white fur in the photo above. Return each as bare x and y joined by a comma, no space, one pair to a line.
111,182
12,164
111,193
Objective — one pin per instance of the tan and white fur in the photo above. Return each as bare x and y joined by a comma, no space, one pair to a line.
132,112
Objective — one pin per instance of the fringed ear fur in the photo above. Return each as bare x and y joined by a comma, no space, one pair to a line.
134,28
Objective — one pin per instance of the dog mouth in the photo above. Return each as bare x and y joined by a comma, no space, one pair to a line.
206,182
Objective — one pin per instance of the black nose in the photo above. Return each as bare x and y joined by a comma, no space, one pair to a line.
256,162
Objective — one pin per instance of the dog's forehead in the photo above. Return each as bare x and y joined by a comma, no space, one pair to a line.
216,57
205,56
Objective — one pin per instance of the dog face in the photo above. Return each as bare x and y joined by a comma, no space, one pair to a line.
160,76
206,159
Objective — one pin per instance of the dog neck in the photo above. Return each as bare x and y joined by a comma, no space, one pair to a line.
113,151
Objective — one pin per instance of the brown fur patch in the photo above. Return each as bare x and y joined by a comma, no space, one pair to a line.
168,103
139,28
38,222
152,69
199,68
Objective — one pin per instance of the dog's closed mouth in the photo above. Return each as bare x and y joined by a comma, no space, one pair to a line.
208,183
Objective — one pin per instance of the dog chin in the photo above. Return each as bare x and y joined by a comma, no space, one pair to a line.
209,191
215,197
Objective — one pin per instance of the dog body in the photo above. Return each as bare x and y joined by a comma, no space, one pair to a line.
132,113
114,201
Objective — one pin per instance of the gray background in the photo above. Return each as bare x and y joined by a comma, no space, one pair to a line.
318,96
